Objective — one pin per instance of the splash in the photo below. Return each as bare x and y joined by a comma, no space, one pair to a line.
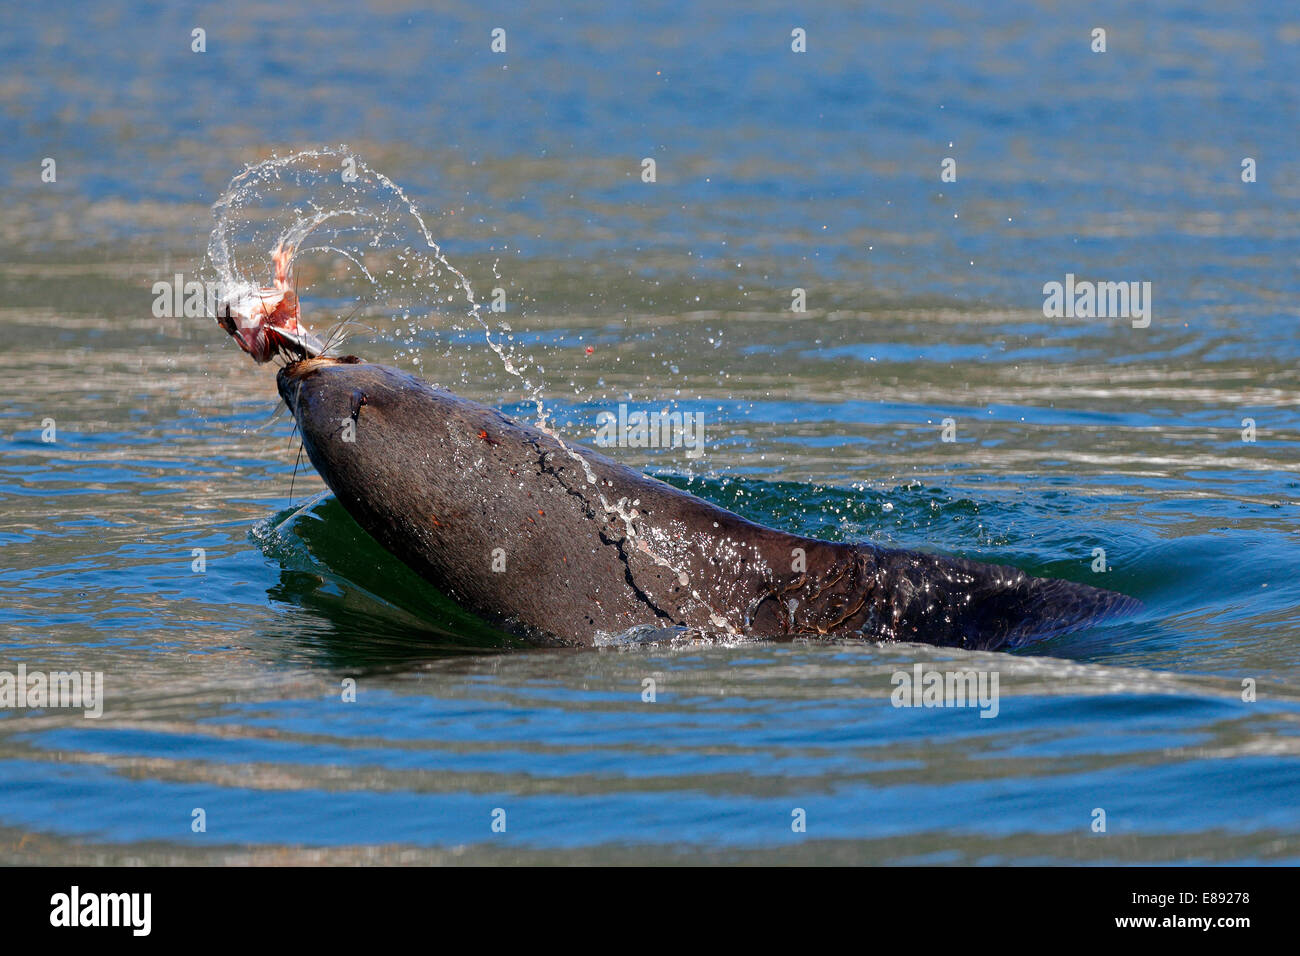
359,252
326,217
353,240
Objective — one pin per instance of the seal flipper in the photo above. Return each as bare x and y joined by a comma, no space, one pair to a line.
956,602
900,595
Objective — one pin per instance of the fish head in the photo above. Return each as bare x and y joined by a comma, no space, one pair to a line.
265,322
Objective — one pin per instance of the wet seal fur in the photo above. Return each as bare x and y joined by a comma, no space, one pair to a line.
502,518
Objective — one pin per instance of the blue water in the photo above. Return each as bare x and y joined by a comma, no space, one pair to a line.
775,171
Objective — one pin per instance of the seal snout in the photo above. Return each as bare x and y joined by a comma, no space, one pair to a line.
288,381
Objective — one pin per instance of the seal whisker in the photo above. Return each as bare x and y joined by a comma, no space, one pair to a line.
302,508
339,329
296,462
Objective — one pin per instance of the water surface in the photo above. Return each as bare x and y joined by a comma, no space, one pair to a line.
776,171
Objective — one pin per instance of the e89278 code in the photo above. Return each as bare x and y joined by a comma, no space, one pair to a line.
1220,897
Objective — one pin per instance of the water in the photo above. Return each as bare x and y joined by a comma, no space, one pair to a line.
775,171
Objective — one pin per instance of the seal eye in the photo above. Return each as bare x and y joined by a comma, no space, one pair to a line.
358,399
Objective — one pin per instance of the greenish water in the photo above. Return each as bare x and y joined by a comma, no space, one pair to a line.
776,171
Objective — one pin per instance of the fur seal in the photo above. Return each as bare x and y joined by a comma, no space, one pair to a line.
560,545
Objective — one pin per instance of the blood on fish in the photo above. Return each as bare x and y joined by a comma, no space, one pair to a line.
266,321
